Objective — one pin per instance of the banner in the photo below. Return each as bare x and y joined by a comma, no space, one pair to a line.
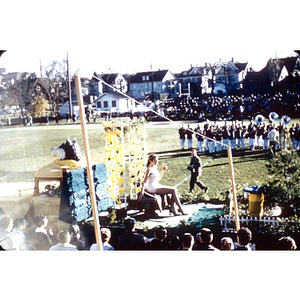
75,203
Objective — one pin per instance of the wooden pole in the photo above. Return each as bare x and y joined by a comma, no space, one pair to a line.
69,87
89,167
237,220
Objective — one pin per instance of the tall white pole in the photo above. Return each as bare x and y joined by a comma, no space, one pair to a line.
237,220
88,160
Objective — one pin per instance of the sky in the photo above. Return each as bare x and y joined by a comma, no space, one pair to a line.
133,36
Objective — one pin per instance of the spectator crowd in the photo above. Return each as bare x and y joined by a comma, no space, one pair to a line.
228,107
18,236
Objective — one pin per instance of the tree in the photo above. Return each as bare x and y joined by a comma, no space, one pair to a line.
55,81
39,106
214,69
283,187
18,91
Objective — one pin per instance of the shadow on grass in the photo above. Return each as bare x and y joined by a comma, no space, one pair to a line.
244,155
247,154
174,153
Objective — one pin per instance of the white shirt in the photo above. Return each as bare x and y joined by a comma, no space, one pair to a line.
7,240
272,135
21,239
63,247
105,246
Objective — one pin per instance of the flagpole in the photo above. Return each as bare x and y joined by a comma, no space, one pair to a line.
89,167
237,221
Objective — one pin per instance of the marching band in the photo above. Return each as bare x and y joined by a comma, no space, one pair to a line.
216,137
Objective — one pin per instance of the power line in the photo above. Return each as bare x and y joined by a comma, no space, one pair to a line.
171,121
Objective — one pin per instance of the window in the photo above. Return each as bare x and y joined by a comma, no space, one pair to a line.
105,103
98,104
114,103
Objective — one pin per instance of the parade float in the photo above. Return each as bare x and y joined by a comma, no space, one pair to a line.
61,190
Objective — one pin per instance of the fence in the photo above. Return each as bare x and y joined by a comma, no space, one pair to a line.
229,222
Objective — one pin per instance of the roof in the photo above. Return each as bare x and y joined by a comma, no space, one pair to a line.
108,78
263,76
241,66
1,52
188,73
153,76
115,95
290,63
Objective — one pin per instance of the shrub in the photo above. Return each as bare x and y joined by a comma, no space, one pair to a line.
283,185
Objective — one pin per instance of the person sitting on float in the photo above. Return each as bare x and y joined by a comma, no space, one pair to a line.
151,181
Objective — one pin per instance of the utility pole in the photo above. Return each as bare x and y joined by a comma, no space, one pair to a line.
152,83
41,73
69,87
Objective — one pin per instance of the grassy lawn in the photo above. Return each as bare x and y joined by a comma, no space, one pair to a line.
25,149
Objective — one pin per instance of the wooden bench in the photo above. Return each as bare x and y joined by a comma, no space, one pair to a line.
149,204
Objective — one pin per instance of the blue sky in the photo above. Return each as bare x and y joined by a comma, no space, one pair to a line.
129,36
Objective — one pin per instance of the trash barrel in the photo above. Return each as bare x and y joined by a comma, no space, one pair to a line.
256,200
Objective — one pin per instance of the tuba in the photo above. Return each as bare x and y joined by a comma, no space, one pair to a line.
273,116
259,119
285,120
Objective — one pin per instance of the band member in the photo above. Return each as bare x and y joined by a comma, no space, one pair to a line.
189,134
182,134
200,138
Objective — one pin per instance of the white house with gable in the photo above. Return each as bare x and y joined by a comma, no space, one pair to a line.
230,77
114,102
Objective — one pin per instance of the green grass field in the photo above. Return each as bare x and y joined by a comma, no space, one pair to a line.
26,149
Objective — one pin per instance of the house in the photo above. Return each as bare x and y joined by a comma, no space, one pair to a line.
98,87
229,78
194,82
85,90
116,80
159,84
114,102
289,78
279,74
65,108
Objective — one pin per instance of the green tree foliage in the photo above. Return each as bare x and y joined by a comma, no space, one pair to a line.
39,106
283,187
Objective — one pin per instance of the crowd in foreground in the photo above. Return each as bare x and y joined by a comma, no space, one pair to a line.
14,235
